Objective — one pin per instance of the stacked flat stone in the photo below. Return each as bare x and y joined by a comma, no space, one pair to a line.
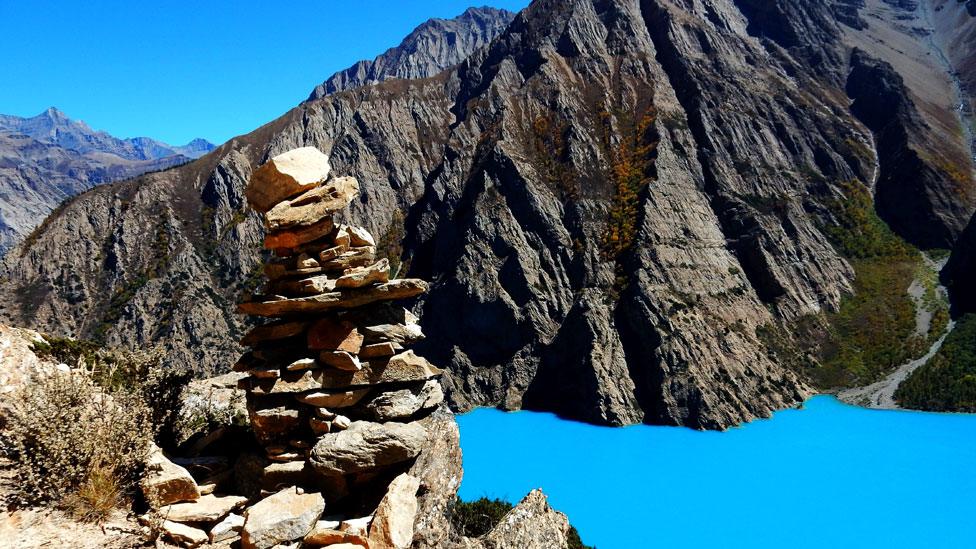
333,392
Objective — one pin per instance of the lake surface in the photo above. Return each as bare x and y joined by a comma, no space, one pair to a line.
827,476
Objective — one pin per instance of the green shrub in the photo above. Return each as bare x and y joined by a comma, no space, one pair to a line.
476,518
873,331
75,445
948,382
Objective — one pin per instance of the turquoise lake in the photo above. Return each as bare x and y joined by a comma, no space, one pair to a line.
827,476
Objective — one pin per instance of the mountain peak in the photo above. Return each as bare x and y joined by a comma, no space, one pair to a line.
434,46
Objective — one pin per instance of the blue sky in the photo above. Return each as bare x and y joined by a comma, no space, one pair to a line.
178,70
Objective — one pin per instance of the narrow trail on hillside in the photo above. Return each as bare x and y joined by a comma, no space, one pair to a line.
881,395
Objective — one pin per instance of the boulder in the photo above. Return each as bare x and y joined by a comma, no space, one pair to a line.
296,236
403,367
334,335
377,273
367,447
184,535
329,301
285,176
332,260
209,508
227,529
285,516
392,526
313,205
270,424
402,403
165,482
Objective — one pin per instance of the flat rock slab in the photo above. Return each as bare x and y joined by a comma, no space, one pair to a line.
328,537
313,205
291,238
187,536
209,508
284,516
405,366
345,299
285,176
331,399
270,332
367,447
377,273
227,529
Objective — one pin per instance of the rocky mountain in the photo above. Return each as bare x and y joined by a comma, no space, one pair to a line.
432,47
48,158
629,210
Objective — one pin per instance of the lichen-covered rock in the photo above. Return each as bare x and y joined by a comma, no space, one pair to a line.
367,447
532,524
401,404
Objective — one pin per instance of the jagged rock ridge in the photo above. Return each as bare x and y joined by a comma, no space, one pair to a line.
611,200
48,158
429,49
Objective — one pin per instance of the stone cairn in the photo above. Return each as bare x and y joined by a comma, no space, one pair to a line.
333,393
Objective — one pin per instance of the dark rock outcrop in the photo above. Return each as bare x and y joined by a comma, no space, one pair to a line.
611,201
960,272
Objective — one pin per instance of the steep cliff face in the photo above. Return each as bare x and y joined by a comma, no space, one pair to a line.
429,49
612,200
48,158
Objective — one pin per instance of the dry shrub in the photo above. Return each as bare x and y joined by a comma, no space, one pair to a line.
75,444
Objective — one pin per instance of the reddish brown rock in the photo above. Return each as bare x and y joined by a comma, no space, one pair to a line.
291,238
378,350
334,335
275,331
341,360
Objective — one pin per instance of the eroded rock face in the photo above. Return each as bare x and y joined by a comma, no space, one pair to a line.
532,524
499,175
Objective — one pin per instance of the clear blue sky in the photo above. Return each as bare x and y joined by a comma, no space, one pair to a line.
178,70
